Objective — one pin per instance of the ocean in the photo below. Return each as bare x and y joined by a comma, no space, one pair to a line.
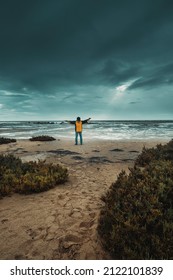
108,130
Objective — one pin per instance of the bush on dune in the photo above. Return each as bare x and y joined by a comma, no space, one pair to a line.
158,153
137,219
29,177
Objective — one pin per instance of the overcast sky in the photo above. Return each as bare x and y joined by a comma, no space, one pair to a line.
104,59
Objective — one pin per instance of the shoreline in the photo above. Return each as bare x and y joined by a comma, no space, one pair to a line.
62,223
95,139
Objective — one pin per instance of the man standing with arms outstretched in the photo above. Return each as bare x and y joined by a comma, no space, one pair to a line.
78,128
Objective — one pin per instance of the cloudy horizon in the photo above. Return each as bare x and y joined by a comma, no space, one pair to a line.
101,59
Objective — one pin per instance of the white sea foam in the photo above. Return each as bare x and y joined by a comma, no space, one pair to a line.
110,130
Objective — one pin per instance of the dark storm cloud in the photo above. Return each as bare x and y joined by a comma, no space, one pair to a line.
49,44
114,72
62,53
134,102
158,76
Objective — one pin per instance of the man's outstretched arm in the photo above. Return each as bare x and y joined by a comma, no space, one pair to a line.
86,121
71,122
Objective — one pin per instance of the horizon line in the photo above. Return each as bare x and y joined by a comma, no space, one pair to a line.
60,120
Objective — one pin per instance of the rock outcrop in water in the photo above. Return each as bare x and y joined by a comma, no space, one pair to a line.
6,140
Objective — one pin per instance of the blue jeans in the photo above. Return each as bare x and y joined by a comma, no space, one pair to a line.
76,138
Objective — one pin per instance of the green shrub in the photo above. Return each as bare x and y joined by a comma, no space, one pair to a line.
6,140
42,138
160,152
29,177
137,219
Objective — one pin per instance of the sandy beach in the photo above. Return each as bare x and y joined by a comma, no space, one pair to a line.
62,222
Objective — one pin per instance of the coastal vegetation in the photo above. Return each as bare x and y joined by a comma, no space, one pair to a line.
6,140
29,177
42,138
136,221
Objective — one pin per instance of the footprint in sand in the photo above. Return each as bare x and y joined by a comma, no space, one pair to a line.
69,245
87,224
34,233
31,233
4,221
19,257
92,215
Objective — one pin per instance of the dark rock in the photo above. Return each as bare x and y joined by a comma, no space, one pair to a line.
42,138
78,158
6,140
98,160
63,152
117,150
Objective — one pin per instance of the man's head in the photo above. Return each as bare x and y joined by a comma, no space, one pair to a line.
78,119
